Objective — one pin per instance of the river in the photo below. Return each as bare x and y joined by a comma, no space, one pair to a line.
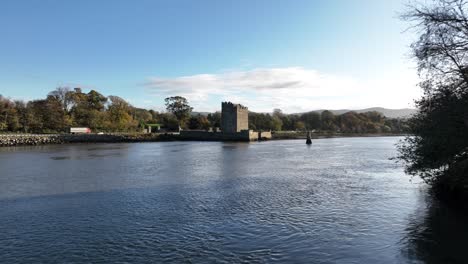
338,201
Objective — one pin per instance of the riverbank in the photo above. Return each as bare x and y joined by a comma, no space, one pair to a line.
303,135
11,140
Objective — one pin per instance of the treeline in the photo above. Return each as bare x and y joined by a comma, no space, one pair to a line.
350,122
64,108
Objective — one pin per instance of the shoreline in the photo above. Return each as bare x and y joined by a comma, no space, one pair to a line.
320,135
13,140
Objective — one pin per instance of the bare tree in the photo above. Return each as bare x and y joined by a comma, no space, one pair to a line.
437,150
64,96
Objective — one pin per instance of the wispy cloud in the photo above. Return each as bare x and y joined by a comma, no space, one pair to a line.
291,89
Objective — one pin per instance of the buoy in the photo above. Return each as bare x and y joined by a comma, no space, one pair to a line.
309,139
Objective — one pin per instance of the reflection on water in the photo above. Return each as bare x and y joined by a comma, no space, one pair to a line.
438,234
338,201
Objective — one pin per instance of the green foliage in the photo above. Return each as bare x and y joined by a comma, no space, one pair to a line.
214,119
63,108
350,122
8,115
119,115
199,122
437,151
439,140
299,126
311,120
179,106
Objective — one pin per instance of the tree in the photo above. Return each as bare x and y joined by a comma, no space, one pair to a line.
24,115
193,123
143,115
204,122
64,95
45,116
179,106
439,142
311,120
215,119
88,109
119,114
438,149
299,125
8,115
327,118
350,122
169,121
277,120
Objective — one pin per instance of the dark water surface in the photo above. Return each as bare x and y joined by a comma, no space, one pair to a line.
338,201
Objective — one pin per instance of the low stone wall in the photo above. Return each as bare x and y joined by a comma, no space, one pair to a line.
41,139
244,135
38,139
264,135
17,140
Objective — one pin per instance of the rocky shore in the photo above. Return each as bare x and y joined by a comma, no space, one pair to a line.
18,140
40,139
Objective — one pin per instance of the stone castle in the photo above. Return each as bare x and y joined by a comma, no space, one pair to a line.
234,117
234,127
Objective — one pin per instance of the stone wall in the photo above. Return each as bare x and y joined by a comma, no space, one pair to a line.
264,135
244,135
38,139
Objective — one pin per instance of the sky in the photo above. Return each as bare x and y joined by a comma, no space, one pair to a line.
296,55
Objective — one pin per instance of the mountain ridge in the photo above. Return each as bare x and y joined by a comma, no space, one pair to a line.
387,112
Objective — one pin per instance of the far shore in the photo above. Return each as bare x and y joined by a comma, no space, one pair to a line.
302,135
12,140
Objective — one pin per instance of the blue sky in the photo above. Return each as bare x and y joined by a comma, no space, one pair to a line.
294,55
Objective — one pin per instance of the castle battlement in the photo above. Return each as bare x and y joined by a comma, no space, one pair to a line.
232,105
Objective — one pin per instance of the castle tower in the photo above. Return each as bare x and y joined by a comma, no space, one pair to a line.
234,117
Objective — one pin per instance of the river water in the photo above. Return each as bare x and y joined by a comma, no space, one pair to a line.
337,201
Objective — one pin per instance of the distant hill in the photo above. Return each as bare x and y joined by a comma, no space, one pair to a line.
390,113
200,113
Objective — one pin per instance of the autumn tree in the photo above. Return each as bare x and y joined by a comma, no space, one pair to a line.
8,115
119,113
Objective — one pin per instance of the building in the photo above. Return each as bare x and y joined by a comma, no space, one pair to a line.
234,127
234,117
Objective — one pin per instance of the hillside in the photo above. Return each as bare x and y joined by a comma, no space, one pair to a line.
390,113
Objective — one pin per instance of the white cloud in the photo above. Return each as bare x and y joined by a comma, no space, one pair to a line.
292,89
